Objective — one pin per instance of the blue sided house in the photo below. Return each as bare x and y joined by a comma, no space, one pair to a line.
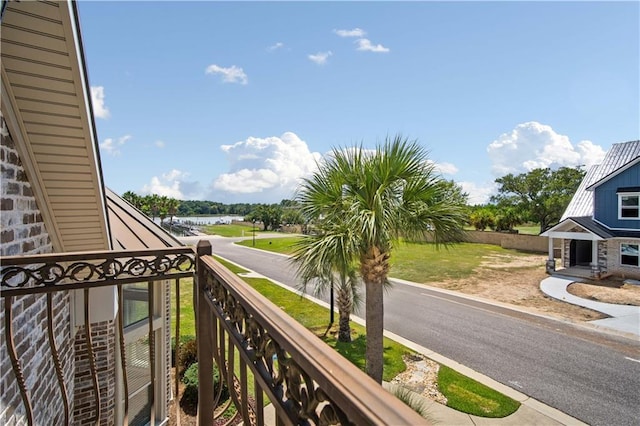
600,229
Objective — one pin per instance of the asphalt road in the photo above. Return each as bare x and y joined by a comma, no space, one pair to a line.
590,375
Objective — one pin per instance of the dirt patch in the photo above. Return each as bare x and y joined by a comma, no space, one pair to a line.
515,279
609,292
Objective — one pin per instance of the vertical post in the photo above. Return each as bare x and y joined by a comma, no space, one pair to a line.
595,265
551,262
253,230
331,310
203,337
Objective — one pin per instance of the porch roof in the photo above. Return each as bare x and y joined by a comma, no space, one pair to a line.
588,226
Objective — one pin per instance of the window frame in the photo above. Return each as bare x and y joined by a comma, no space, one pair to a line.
637,264
621,208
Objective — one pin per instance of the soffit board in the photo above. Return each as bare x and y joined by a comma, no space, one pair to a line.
43,78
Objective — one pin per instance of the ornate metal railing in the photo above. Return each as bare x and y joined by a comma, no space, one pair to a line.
243,334
305,380
52,273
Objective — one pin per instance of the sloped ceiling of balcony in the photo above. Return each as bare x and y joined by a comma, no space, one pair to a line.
46,103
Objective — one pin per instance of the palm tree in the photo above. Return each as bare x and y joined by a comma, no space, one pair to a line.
324,260
172,208
163,210
381,196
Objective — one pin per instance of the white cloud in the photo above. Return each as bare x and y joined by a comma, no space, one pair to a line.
276,46
356,32
320,58
268,168
444,168
365,45
97,100
479,194
159,144
232,74
534,145
174,184
112,146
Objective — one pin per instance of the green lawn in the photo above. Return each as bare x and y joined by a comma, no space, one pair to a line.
316,318
279,244
424,263
467,395
418,262
528,229
187,316
229,230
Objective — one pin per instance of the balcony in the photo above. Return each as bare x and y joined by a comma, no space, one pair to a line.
249,339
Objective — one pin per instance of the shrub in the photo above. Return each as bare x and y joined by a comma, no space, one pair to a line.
189,400
183,340
187,356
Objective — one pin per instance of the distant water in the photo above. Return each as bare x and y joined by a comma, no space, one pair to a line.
203,220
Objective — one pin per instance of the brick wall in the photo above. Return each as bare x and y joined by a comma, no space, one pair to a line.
104,347
614,260
23,232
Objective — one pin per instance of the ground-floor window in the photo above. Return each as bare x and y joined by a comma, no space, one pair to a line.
630,254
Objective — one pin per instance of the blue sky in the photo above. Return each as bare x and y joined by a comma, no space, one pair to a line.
236,101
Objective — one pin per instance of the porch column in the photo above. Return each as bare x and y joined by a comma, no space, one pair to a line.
595,267
551,262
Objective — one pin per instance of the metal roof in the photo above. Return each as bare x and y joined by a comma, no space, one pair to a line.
133,230
47,106
617,159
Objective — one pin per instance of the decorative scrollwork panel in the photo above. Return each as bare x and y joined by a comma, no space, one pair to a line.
301,396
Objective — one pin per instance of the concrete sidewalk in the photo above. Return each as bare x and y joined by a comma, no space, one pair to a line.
624,318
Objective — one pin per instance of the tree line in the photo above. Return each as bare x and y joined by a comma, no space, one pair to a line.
539,196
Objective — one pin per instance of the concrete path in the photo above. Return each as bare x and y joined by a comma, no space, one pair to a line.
624,318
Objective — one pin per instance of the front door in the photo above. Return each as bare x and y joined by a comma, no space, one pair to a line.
580,252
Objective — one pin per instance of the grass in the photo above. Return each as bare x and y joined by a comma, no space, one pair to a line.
467,395
282,245
463,393
187,316
423,263
528,229
316,318
229,230
418,262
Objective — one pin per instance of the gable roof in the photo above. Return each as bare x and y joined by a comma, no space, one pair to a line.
618,158
588,224
47,107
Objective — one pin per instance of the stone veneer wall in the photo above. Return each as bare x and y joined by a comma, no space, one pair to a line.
23,232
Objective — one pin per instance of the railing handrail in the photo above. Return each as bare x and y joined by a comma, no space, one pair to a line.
343,382
29,259
46,273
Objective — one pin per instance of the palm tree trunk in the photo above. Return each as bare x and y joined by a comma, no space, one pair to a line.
375,327
345,305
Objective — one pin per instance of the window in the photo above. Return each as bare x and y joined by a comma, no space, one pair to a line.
629,204
630,254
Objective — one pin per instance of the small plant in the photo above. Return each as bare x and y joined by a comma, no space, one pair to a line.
410,399
183,340
189,400
187,356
